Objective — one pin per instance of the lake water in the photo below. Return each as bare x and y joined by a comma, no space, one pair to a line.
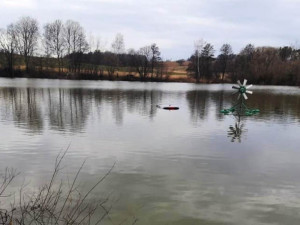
172,167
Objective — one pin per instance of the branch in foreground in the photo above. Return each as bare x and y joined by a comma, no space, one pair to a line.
54,203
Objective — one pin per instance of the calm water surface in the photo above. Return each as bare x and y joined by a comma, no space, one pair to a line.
172,167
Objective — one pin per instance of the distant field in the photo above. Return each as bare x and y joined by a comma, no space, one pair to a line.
172,69
176,70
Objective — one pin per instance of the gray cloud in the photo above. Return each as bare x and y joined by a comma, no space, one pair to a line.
173,25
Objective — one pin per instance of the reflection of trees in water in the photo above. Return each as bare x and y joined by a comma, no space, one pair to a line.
282,107
135,101
272,106
237,130
144,101
198,102
220,99
219,104
22,105
118,106
201,103
30,107
68,108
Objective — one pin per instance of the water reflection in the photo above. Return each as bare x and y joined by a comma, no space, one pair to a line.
198,102
22,106
278,106
180,166
69,108
237,130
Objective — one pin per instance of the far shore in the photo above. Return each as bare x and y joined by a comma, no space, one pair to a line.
118,76
123,77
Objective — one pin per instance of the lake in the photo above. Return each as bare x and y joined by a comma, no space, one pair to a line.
188,166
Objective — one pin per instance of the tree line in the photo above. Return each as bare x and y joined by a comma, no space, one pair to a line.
62,48
259,65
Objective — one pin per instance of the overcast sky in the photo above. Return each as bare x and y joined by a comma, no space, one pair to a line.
173,24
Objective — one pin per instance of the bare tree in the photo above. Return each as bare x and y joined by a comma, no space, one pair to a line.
76,44
95,43
8,44
72,29
143,58
198,45
82,45
200,61
101,44
47,52
91,41
27,32
54,40
118,46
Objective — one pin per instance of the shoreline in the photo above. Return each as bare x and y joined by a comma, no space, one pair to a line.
128,77
138,80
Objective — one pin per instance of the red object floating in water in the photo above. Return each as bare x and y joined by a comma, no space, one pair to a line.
171,108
